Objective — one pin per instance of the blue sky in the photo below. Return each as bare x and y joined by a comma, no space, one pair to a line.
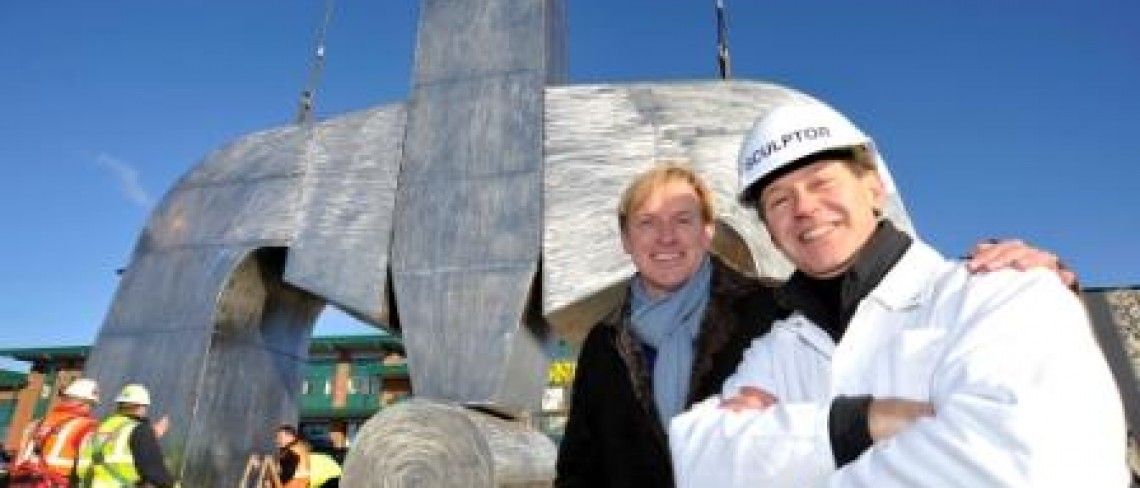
997,118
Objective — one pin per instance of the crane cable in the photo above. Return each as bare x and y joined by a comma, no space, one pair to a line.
723,60
305,107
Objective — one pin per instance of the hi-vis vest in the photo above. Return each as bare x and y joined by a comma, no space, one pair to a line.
58,449
322,468
105,461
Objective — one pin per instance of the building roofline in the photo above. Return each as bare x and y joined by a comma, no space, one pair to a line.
317,344
1101,289
48,352
332,343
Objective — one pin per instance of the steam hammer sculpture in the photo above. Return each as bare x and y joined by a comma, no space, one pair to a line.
473,219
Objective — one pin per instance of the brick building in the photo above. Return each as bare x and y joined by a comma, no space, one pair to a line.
346,380
11,383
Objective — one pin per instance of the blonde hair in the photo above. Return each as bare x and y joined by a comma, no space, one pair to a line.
664,173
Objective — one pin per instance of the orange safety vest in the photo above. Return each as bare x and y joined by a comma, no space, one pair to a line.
59,434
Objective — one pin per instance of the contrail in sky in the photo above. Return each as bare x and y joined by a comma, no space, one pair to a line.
128,178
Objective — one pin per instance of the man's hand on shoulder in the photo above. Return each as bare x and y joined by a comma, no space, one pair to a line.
993,255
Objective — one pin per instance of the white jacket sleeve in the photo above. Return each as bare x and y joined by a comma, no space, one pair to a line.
784,445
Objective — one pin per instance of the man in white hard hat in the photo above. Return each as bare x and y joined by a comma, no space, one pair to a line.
124,451
897,368
51,445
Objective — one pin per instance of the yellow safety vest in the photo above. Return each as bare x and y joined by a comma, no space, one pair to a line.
322,468
105,461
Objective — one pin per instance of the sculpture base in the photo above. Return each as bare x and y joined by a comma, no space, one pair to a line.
421,443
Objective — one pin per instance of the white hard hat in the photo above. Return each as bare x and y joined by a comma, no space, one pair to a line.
83,389
135,394
789,133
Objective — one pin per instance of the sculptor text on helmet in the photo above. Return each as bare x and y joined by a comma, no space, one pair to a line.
772,146
789,133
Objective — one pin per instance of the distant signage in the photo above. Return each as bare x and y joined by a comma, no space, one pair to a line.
561,372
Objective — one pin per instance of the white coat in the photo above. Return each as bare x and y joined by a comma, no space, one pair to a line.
1022,393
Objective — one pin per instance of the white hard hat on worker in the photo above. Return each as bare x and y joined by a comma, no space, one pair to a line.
134,394
83,389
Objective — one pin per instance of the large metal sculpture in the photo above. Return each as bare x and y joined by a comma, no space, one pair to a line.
474,219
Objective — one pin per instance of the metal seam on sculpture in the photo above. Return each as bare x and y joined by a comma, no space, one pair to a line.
523,266
435,173
478,77
206,182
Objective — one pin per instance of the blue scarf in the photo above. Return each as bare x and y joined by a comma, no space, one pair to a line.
671,325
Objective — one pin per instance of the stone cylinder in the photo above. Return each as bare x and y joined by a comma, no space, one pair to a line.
421,443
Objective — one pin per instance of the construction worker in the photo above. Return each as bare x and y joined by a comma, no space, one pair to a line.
124,451
299,466
49,448
292,457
